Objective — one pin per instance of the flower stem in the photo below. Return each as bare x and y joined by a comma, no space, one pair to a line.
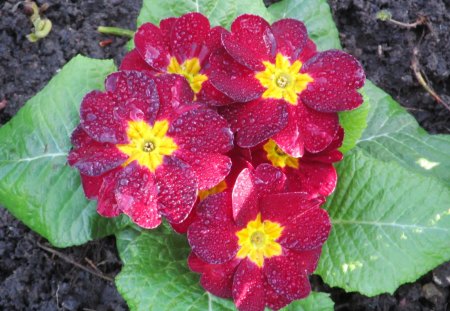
115,31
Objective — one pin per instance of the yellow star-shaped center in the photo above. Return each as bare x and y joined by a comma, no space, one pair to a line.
277,156
283,80
147,145
258,240
190,69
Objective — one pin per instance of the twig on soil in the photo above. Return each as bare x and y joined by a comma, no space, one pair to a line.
73,262
116,31
415,66
92,265
386,16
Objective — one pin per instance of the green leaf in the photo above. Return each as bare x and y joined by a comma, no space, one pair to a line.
390,226
36,184
316,15
156,277
393,134
354,122
314,302
219,12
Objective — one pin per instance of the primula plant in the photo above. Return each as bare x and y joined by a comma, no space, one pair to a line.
235,152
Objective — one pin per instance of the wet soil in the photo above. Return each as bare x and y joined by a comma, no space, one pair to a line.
32,278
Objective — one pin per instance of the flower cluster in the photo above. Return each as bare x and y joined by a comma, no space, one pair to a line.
229,135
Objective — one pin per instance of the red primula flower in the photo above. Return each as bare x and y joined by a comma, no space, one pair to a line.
179,46
258,245
291,91
144,149
312,173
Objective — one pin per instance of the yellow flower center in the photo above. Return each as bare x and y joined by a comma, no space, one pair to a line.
278,157
190,70
258,240
220,187
283,80
147,145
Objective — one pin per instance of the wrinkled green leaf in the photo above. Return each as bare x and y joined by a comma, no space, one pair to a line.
393,134
219,12
390,226
155,276
354,123
36,184
314,302
316,15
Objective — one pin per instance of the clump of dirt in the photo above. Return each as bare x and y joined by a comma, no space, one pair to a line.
27,67
30,277
386,51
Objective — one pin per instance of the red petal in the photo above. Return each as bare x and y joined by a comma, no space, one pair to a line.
290,138
210,96
150,43
305,226
245,198
136,195
309,50
318,129
97,118
175,96
166,25
107,204
131,96
182,227
188,37
210,168
233,79
313,178
250,186
251,41
307,260
177,185
273,300
336,76
256,121
290,35
134,61
268,179
130,85
338,139
248,287
80,138
202,130
95,159
92,184
214,40
213,237
284,275
216,279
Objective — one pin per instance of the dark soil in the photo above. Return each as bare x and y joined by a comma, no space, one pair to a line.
32,278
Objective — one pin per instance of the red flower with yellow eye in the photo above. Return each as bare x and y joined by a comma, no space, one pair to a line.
179,46
287,90
258,245
144,149
312,173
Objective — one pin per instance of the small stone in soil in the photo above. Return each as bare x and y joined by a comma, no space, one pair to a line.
441,275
